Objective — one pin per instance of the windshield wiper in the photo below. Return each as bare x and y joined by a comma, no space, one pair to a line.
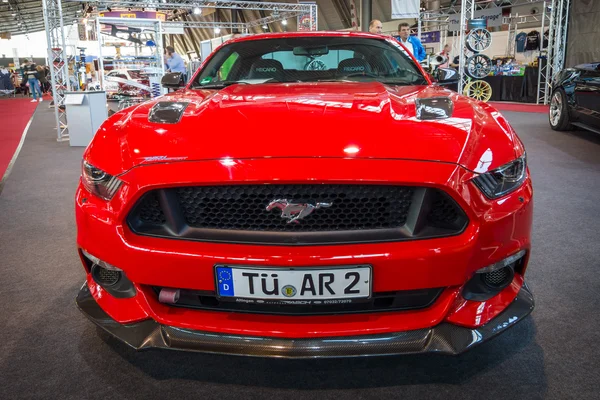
219,85
404,83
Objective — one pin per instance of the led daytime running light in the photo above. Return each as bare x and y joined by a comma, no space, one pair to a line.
501,264
95,260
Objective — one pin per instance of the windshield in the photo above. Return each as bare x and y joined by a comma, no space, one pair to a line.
309,59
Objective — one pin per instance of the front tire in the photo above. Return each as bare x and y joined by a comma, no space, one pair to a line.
559,112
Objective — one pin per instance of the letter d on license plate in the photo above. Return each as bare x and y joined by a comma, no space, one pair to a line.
294,284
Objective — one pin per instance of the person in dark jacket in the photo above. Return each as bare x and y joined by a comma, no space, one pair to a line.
42,78
31,74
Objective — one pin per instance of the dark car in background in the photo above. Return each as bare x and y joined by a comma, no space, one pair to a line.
576,99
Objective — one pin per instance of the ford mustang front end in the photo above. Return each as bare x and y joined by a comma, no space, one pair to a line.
270,209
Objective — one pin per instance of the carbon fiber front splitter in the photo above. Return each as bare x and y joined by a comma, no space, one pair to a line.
444,338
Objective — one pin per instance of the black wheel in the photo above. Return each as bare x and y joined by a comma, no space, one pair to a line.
559,112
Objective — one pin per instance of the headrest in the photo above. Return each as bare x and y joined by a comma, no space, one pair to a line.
353,66
266,69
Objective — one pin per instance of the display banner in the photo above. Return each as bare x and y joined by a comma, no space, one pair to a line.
134,14
405,9
174,29
304,20
16,58
429,37
493,17
82,30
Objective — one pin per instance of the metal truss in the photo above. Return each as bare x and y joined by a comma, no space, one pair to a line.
53,21
479,5
178,4
467,11
152,26
557,43
512,39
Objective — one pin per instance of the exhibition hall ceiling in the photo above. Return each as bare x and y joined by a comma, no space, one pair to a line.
26,16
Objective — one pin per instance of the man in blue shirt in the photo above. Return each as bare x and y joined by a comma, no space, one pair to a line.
412,43
174,62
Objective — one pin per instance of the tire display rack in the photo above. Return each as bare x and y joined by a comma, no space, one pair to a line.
478,66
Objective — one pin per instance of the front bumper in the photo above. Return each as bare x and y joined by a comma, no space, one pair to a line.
444,338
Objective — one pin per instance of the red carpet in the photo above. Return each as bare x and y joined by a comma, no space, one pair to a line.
15,113
519,107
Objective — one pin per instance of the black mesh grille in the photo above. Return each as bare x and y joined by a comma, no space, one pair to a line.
244,207
108,276
497,277
340,214
443,210
150,211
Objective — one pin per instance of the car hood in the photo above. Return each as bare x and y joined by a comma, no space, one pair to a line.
337,119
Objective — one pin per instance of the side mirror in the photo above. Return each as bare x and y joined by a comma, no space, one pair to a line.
446,76
172,80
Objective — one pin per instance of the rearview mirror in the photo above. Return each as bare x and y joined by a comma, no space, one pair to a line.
172,80
311,51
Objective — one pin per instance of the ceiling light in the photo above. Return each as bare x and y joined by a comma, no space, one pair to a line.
217,30
265,27
284,22
197,10
78,11
14,14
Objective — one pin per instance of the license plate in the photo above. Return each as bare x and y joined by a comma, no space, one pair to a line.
317,286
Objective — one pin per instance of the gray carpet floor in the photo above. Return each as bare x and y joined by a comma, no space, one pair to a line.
49,350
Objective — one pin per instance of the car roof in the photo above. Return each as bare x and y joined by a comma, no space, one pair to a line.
261,36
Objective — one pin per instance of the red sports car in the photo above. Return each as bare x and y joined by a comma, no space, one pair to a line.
272,208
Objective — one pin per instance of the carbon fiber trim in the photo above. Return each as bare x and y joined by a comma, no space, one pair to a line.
444,338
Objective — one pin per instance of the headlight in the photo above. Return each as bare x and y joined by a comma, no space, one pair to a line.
503,180
99,182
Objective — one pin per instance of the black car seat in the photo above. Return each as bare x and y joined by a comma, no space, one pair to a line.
266,69
353,66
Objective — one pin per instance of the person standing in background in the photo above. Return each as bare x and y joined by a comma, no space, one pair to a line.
175,63
31,74
42,78
412,43
445,53
376,27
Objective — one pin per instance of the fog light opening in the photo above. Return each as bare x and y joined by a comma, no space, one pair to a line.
109,277
104,276
491,280
500,278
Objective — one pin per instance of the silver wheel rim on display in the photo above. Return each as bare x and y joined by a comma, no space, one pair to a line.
555,108
479,40
479,66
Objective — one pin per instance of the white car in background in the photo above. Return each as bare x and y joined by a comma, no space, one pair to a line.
126,82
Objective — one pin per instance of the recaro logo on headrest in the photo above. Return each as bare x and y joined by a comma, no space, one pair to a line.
354,69
265,69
